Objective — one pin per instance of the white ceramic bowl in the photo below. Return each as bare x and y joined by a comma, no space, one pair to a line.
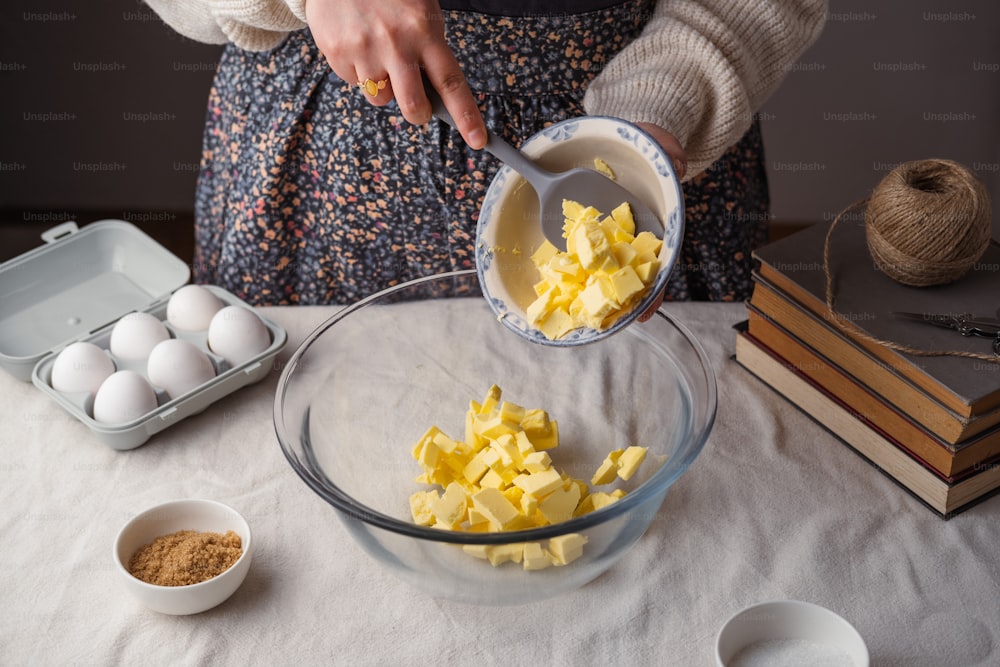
508,231
808,625
170,517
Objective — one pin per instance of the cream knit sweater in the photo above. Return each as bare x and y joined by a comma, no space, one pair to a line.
700,69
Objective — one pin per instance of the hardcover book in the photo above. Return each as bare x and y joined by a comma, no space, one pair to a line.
946,496
949,459
885,380
865,298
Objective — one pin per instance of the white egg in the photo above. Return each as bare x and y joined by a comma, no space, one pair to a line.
81,367
237,334
178,366
191,308
124,396
135,335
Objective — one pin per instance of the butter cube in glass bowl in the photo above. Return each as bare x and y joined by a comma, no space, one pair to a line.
366,385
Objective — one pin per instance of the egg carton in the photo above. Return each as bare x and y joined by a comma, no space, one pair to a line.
76,288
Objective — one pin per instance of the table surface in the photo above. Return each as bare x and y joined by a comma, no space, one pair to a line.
774,508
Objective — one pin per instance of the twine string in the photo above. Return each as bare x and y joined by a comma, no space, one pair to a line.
928,222
917,260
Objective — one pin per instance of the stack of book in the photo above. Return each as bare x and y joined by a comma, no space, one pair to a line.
931,423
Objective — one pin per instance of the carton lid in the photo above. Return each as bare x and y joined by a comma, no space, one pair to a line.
79,281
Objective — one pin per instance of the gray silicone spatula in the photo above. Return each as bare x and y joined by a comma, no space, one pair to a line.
590,188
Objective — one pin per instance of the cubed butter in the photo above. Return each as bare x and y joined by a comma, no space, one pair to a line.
537,462
624,253
421,507
505,553
430,455
543,253
529,504
513,494
491,400
476,467
608,469
630,460
535,420
568,267
506,449
566,548
647,270
601,499
455,464
597,249
558,506
444,443
590,244
549,439
492,480
511,412
539,309
474,441
524,446
556,324
646,242
501,478
622,216
598,298
539,484
477,550
535,556
475,518
625,283
492,504
450,508
495,426
604,168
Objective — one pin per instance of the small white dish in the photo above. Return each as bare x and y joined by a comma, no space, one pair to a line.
168,518
781,624
508,231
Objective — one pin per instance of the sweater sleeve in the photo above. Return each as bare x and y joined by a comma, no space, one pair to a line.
254,25
700,70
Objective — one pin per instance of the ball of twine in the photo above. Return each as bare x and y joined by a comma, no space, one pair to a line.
928,222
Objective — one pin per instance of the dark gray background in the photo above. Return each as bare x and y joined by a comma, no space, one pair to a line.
103,108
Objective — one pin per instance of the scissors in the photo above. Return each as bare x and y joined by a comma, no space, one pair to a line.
965,324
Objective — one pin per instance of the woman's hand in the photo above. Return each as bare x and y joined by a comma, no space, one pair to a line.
389,43
670,145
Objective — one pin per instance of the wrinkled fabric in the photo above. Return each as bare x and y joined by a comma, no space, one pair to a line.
310,195
774,507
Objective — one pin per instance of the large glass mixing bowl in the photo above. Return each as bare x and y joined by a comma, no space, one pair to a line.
363,388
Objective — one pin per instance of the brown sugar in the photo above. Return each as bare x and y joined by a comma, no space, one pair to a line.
185,557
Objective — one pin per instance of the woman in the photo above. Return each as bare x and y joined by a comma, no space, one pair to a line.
323,179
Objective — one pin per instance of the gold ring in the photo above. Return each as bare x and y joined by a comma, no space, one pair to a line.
372,87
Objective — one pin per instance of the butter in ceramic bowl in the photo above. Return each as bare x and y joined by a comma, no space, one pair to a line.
604,272
509,234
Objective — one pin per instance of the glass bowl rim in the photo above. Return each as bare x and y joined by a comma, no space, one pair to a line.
658,483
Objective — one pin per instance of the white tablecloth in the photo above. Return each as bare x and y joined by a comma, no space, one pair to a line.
773,508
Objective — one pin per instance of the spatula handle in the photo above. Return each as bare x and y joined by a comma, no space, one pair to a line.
507,154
